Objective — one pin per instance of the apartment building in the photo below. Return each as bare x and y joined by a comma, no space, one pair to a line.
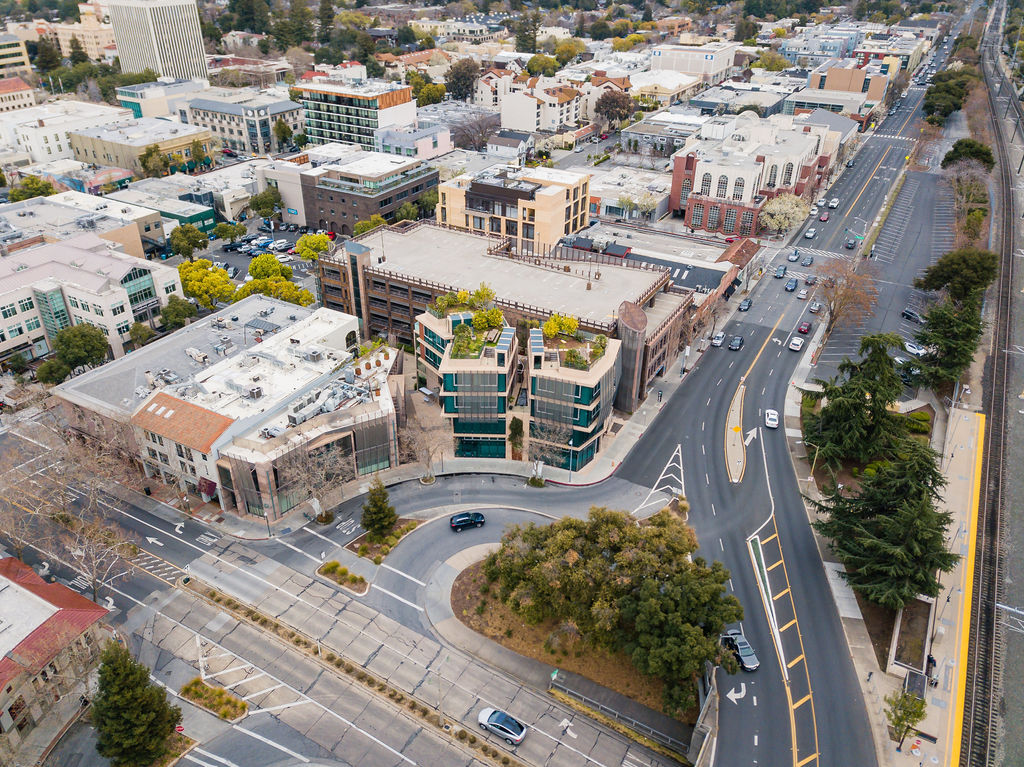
15,93
492,85
44,131
541,108
533,207
673,26
350,113
424,142
90,31
13,57
722,176
84,280
711,62
121,144
907,49
170,208
162,35
161,98
662,87
474,373
510,147
243,119
850,76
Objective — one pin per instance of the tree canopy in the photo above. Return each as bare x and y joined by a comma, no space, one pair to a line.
80,345
153,162
969,149
30,187
379,515
177,310
614,105
963,274
539,64
310,247
369,224
460,80
264,203
204,283
783,212
186,239
230,232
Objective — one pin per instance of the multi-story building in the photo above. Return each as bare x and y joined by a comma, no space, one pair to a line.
673,26
121,144
722,177
49,647
424,142
92,33
260,73
732,97
432,61
60,217
350,113
170,207
232,406
492,85
510,147
44,131
909,50
540,108
160,98
244,119
85,280
162,35
226,190
850,76
30,31
855,105
15,93
662,87
533,207
662,132
75,176
13,57
710,63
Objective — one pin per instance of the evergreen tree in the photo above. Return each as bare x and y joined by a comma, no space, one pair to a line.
301,19
326,18
47,56
379,515
951,333
78,54
131,714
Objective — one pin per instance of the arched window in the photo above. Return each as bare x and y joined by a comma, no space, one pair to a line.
723,186
787,176
350,339
773,176
684,190
705,185
737,189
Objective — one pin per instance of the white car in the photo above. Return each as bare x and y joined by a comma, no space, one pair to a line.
718,339
796,344
280,245
283,258
802,295
915,349
771,419
834,202
814,211
810,233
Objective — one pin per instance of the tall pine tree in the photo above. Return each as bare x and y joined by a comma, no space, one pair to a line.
378,514
326,18
131,714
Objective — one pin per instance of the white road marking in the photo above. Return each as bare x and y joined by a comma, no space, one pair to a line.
296,548
404,575
400,599
706,478
220,759
702,449
708,404
755,700
755,740
721,545
713,512
261,692
323,537
269,742
208,539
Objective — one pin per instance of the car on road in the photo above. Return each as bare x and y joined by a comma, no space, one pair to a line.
811,279
815,307
834,202
734,641
578,149
604,136
823,217
808,260
916,349
771,419
794,256
736,343
791,284
512,731
810,233
907,372
718,339
780,271
910,314
796,344
804,327
849,163
229,152
814,210
293,227
802,295
745,305
851,244
466,519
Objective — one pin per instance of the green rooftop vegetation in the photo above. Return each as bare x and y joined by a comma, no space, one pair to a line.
462,300
468,342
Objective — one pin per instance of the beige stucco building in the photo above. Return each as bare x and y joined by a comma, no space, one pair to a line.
90,31
121,144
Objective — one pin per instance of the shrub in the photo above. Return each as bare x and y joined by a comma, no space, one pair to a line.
363,549
461,734
472,738
378,559
342,572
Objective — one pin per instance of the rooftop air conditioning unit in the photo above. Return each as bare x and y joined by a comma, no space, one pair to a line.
314,355
255,392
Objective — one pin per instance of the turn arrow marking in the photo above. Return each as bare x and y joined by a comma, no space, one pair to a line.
154,541
750,437
564,724
179,527
735,696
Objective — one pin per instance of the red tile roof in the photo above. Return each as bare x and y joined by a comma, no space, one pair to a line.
74,615
181,421
13,85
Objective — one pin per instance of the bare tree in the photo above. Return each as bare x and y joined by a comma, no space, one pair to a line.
473,133
848,294
100,551
418,442
314,473
548,441
969,181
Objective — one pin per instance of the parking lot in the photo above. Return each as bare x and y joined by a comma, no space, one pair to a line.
302,273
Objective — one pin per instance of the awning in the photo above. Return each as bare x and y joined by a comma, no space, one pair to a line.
191,164
737,282
728,292
207,486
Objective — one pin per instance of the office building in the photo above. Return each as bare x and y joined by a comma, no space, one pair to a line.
170,208
710,63
121,144
13,57
662,87
92,33
533,207
84,280
160,98
162,35
15,93
243,119
351,113
422,142
906,49
44,131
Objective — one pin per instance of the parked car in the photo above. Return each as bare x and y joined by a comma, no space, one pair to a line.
734,640
814,210
771,419
228,152
780,271
834,202
303,229
804,327
736,343
791,284
466,519
718,339
811,279
824,216
501,724
849,163
810,233
280,245
815,307
796,344
745,305
851,244
910,314
916,349
808,260
604,136
248,237
232,246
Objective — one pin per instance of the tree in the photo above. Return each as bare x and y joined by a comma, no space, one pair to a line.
427,202
600,30
539,64
29,187
325,16
301,139
3,179
614,106
904,711
969,181
80,345
526,31
783,212
267,203
969,149
431,93
186,239
78,54
276,287
16,363
153,162
197,152
951,333
230,232
369,224
47,55
963,274
407,212
567,50
473,133
140,333
460,81
311,474
98,549
406,35
205,284
424,442
52,372
266,266
282,131
310,247
849,295
176,312
745,29
379,515
771,61
132,717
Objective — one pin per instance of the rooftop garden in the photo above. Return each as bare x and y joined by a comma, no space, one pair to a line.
462,301
574,350
469,341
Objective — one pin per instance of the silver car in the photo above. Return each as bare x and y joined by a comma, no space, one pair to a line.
501,724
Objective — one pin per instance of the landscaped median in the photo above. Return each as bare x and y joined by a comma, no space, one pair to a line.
340,575
216,700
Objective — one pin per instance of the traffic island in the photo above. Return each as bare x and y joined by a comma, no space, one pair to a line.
334,572
216,700
735,448
377,549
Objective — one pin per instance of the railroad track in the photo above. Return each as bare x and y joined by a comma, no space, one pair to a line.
981,723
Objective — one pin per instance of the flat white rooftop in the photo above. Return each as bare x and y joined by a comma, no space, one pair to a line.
21,613
141,132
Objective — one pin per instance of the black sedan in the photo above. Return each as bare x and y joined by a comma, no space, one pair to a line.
745,305
466,519
736,343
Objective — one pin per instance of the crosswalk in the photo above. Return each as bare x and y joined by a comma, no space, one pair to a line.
161,568
818,254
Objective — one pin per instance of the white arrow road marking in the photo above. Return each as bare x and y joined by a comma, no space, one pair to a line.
110,603
178,528
564,724
154,541
750,437
735,696
44,569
